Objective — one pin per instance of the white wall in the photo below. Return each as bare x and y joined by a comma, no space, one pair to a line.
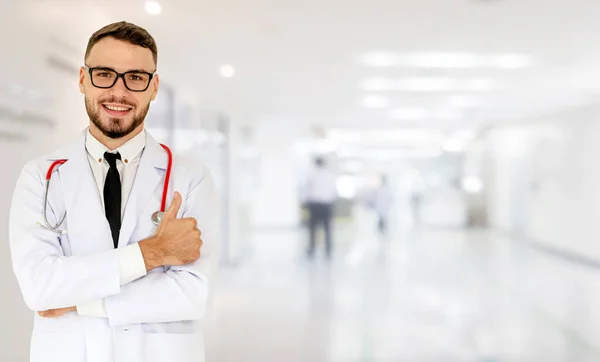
275,201
508,153
565,206
549,179
26,67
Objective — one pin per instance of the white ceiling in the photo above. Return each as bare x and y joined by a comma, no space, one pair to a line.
299,60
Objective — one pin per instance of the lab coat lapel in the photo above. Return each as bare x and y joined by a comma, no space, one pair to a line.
147,182
85,214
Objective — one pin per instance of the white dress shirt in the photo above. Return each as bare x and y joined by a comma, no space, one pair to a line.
131,261
321,186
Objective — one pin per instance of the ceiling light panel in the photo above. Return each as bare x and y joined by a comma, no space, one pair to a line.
428,84
424,113
448,60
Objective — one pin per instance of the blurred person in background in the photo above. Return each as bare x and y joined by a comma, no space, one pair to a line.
382,202
416,199
114,283
320,196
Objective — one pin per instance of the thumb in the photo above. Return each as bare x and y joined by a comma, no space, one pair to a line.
171,212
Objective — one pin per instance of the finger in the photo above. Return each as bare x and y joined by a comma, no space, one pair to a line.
174,207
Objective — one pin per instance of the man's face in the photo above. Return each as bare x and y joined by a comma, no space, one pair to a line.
117,111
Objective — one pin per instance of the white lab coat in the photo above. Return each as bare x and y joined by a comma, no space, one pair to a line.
156,318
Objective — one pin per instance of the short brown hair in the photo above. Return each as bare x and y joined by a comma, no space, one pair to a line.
124,31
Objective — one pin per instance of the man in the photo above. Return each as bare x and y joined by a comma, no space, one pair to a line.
115,287
321,194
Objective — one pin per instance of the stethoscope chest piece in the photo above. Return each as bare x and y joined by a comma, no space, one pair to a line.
157,217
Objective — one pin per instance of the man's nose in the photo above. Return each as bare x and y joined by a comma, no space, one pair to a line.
119,87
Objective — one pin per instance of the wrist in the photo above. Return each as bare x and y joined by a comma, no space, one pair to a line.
152,253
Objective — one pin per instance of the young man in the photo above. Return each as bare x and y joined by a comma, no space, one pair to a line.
114,286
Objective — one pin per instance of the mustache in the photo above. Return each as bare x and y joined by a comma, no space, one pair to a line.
116,100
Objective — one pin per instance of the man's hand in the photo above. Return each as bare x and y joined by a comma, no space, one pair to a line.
176,241
56,313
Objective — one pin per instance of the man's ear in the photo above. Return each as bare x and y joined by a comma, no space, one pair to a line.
81,80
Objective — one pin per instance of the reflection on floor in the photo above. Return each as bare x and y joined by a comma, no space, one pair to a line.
421,296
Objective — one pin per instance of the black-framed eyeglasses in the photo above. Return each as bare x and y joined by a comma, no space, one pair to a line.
134,80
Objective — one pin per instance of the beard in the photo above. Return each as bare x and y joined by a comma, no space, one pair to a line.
116,127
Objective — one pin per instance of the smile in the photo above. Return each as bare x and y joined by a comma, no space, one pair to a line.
116,110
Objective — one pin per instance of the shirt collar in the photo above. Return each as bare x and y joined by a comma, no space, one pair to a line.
130,150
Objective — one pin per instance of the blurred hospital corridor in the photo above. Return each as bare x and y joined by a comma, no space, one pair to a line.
430,295
371,180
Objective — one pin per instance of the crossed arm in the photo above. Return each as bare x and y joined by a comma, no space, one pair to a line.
52,283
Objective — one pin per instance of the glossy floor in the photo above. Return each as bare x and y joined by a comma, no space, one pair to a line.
419,296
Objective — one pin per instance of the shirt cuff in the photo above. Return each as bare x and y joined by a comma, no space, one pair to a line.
131,263
93,309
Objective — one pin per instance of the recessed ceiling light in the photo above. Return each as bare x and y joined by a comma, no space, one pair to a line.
227,71
153,7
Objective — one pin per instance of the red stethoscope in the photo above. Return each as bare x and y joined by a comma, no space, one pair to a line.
156,216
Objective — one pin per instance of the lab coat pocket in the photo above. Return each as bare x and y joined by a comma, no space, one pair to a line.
57,346
179,347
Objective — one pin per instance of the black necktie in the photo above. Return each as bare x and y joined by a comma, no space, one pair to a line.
112,196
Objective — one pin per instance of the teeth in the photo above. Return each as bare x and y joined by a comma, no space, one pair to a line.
120,109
